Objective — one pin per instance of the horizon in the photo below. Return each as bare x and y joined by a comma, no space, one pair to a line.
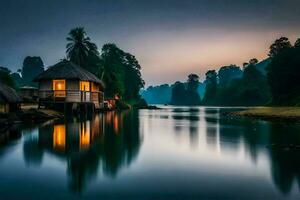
170,39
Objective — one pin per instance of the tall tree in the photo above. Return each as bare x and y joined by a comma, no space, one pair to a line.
79,47
284,76
193,82
279,45
192,92
112,69
255,89
133,78
211,87
178,94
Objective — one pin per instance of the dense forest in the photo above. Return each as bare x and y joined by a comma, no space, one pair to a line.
119,70
273,81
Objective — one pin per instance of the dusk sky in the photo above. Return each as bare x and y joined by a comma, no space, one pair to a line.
170,38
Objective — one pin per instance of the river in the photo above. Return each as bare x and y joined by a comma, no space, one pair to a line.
171,153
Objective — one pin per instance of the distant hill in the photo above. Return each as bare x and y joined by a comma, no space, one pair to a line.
161,94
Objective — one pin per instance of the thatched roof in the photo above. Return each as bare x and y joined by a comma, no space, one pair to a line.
8,95
67,70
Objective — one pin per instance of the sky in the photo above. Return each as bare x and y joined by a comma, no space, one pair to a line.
170,38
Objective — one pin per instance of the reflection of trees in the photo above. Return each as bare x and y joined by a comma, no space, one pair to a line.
211,117
285,156
121,142
232,132
109,141
283,143
188,115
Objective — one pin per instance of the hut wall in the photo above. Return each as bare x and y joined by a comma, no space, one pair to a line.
72,85
29,94
45,88
45,85
73,93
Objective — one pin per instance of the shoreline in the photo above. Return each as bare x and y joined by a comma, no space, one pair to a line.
28,115
284,114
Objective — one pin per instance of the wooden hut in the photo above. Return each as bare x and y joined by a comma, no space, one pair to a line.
70,84
28,93
9,99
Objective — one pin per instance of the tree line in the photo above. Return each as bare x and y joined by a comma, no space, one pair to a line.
119,70
274,81
250,86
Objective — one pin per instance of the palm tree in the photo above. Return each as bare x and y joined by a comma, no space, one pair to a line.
80,47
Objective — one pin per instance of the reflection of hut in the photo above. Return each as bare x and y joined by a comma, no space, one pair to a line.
68,83
87,144
28,93
66,139
9,99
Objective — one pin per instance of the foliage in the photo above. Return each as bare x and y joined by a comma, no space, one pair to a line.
228,73
236,87
284,76
133,77
193,82
186,95
278,46
211,87
254,89
80,48
111,70
193,97
119,70
178,94
5,77
32,66
160,94
19,82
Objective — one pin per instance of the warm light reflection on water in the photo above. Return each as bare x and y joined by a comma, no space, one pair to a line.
59,137
175,152
85,135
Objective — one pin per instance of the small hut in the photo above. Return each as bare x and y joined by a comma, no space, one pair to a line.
9,99
70,84
28,93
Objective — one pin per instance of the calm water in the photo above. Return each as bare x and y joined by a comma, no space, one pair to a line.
173,153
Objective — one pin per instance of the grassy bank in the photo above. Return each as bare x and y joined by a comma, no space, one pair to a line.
271,113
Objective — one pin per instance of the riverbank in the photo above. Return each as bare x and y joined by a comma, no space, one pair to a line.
28,115
291,114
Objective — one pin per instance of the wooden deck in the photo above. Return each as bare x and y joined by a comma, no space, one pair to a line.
73,97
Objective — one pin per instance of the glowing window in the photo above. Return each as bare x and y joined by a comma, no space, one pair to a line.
59,137
59,87
84,86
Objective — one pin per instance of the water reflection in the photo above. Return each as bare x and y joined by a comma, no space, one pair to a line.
281,141
108,142
93,149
